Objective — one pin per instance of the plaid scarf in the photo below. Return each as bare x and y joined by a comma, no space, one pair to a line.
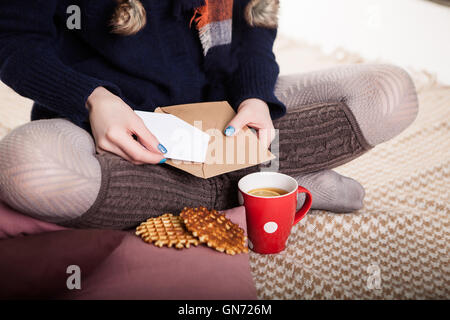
213,20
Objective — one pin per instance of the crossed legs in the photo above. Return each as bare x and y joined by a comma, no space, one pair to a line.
49,169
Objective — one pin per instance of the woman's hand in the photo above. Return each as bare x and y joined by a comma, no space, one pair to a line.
255,114
113,125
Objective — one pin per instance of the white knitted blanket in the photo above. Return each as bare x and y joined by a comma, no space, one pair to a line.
398,245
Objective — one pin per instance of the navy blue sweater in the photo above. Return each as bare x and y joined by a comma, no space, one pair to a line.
58,68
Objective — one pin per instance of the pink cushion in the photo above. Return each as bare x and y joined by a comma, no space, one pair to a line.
13,223
34,267
137,270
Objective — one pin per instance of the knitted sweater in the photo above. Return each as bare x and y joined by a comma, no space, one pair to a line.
58,68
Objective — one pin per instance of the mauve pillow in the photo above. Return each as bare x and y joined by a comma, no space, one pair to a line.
35,267
135,269
13,223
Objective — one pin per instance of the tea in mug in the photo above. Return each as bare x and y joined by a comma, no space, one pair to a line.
267,192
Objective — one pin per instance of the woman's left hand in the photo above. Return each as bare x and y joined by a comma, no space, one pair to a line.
255,114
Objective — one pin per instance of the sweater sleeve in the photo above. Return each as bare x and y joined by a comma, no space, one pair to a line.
257,70
30,65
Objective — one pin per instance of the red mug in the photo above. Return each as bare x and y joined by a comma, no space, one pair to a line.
270,219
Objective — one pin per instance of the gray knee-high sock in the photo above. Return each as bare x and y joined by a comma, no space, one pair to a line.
332,191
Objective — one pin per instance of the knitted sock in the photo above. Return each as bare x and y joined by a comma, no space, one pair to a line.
317,137
130,194
331,191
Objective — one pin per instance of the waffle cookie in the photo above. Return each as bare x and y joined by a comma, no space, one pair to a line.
214,229
166,230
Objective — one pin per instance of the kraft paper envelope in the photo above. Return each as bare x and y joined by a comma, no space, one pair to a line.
225,154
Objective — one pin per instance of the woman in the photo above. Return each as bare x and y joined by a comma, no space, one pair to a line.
86,159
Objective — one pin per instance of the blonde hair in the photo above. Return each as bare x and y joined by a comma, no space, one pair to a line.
129,17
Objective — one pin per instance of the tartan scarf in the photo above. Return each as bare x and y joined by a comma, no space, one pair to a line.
213,20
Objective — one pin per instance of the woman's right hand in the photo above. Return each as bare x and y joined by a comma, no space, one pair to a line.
113,125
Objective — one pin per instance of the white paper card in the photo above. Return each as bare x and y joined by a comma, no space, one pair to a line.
182,141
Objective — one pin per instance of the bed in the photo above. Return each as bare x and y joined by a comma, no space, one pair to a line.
397,246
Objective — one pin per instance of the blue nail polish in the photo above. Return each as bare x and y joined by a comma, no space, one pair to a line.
162,161
162,148
229,131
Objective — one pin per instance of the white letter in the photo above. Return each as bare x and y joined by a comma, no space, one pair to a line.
374,280
215,151
73,281
74,21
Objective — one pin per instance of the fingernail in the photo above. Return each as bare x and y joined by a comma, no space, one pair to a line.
162,161
162,148
229,131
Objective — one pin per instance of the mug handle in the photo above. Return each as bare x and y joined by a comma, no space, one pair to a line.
301,213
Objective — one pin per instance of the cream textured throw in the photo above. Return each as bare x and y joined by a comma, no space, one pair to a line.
398,245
